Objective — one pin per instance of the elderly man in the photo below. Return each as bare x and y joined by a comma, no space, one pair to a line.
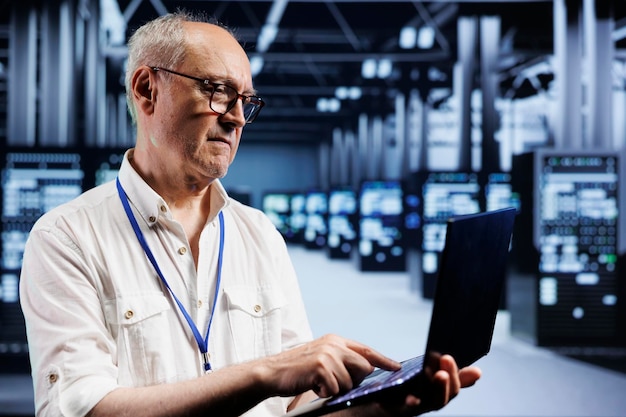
157,294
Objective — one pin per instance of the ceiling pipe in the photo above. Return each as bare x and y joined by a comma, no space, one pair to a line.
267,35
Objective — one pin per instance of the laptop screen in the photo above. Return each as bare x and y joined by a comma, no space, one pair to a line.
472,266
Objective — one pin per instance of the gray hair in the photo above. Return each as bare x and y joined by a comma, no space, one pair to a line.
160,43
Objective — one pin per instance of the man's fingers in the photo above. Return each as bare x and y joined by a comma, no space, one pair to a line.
448,364
469,375
375,358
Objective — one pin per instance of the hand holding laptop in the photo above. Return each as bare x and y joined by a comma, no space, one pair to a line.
446,384
435,393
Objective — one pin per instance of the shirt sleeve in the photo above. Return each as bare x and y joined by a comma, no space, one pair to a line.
72,353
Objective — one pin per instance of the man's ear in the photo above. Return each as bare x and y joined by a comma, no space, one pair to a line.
144,89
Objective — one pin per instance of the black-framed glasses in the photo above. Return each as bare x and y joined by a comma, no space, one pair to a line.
224,97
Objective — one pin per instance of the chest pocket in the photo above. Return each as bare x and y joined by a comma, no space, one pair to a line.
141,327
255,320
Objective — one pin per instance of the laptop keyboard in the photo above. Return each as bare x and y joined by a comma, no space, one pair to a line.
380,379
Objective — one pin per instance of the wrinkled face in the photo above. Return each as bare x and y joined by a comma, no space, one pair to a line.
188,137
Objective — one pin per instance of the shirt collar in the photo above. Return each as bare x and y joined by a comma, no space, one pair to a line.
150,205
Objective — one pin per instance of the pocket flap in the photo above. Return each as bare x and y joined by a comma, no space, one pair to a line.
133,309
254,301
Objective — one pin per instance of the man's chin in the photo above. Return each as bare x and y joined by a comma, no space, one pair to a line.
217,172
216,166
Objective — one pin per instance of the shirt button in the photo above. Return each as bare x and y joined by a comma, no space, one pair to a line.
52,378
129,314
151,219
163,209
199,303
257,308
182,250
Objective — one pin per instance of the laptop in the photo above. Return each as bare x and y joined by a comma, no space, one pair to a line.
467,297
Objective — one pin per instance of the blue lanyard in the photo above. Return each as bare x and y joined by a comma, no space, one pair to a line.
202,343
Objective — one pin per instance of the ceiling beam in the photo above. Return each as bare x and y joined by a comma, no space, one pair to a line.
422,56
345,27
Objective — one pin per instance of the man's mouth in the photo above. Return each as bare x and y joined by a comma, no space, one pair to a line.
226,141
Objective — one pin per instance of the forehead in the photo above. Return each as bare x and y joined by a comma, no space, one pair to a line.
214,51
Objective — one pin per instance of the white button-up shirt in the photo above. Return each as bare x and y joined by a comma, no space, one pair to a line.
98,316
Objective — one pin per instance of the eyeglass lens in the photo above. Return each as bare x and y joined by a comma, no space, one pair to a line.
224,98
